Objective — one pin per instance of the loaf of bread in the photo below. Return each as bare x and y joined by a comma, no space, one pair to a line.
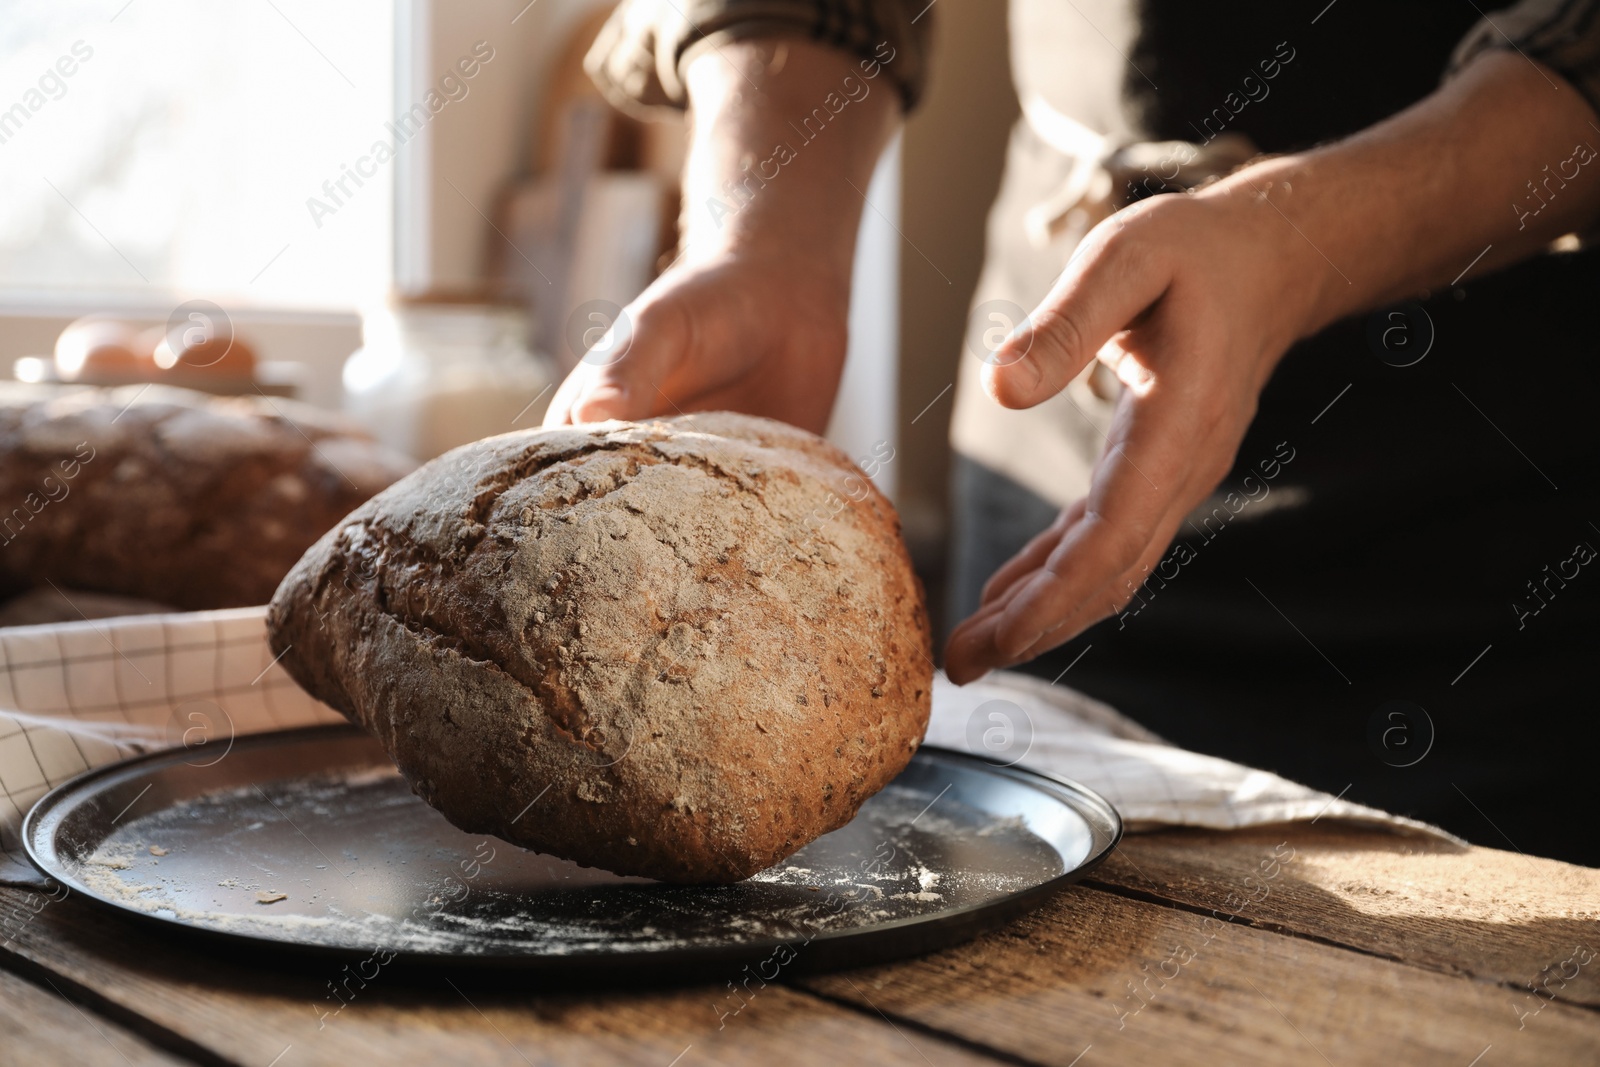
679,649
171,495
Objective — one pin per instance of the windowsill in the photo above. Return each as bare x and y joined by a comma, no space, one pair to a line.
318,338
145,303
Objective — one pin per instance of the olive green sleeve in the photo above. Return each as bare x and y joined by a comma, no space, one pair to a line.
1564,35
639,57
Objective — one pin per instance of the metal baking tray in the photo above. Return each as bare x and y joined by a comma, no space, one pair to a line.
310,840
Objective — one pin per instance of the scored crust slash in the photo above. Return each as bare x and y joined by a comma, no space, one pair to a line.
631,625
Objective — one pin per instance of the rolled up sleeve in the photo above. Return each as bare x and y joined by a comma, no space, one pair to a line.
640,55
1564,35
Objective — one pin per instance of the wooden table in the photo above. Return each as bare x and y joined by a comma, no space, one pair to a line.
1288,945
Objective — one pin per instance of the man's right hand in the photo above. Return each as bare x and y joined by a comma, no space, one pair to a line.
753,317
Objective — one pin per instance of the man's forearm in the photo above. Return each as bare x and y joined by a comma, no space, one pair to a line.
1496,159
786,134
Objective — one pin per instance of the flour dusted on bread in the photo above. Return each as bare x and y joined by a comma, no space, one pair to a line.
680,649
170,495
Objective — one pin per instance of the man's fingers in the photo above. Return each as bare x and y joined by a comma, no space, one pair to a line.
611,400
594,394
620,375
1032,556
1091,612
1136,500
1110,285
973,647
559,413
971,650
631,359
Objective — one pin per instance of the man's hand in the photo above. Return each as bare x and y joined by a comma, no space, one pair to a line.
1192,300
1184,299
741,331
753,316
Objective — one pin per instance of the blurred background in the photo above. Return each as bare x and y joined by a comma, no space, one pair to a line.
422,213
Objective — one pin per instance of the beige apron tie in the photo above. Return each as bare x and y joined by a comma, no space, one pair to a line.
1107,175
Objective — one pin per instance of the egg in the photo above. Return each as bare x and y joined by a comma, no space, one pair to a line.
97,347
225,356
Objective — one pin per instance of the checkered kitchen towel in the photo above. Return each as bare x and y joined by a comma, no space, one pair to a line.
78,695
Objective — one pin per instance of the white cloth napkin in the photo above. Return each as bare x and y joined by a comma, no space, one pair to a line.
78,695
81,694
1016,718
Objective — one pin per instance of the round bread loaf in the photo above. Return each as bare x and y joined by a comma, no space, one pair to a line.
679,649
172,495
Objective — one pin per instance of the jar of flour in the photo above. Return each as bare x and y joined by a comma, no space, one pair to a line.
433,373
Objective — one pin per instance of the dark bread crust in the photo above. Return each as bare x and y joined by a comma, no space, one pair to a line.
680,649
172,495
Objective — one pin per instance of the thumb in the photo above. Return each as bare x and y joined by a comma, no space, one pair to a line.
1094,300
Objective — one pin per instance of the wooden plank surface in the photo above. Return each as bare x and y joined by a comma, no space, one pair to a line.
250,1014
1343,947
1117,980
39,1025
1524,922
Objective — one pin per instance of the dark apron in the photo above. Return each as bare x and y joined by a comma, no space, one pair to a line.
1419,580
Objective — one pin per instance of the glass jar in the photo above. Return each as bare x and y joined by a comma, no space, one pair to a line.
431,375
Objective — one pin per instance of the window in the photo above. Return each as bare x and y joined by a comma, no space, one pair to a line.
171,146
